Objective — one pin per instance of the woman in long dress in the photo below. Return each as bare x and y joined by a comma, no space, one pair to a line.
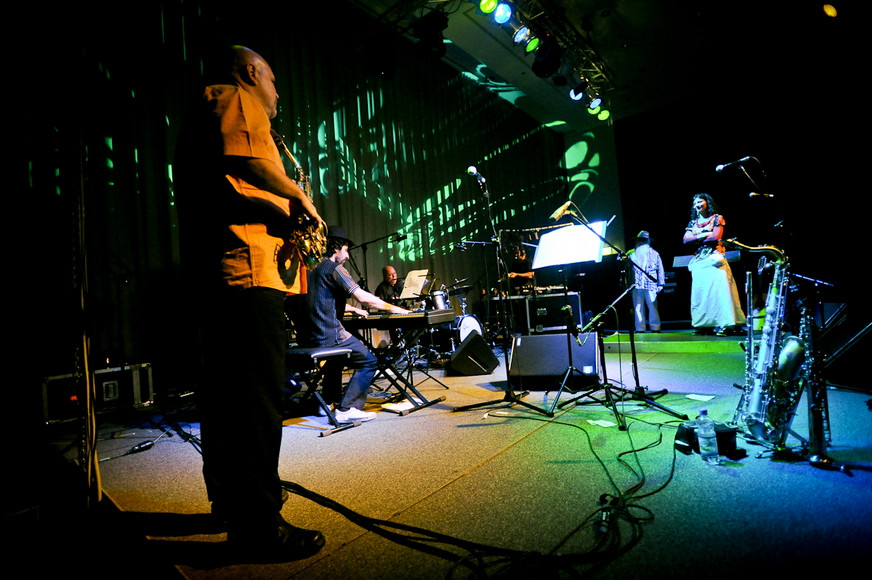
714,297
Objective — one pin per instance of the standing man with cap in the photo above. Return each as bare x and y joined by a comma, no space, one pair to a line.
320,324
649,279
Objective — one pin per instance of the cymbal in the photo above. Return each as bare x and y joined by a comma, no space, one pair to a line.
461,290
459,282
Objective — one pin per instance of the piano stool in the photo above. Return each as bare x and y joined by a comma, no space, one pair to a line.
308,364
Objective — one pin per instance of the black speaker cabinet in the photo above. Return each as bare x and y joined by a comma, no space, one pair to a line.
473,357
538,362
119,388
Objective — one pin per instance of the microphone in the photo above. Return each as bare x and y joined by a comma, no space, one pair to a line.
561,211
570,323
755,194
474,172
720,168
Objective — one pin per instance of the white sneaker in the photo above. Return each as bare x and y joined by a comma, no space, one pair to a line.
352,415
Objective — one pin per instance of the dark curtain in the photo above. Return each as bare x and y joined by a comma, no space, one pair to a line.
385,135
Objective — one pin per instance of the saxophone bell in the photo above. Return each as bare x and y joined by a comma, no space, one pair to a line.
791,358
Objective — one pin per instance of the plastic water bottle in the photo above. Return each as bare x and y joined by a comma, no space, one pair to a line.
707,438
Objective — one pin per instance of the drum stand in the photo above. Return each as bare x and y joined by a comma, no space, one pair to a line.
413,358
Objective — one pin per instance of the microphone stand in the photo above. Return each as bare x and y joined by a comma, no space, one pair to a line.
510,398
604,386
571,331
639,393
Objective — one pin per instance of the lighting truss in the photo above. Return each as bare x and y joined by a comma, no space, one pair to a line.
543,17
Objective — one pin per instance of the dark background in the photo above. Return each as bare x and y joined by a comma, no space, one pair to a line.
106,88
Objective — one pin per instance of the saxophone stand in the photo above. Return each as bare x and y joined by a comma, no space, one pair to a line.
510,398
816,395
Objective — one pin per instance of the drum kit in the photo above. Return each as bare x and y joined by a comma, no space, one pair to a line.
445,340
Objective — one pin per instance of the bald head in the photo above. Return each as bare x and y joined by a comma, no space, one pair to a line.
237,59
389,275
242,66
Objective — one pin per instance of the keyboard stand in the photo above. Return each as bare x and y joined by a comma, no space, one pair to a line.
387,368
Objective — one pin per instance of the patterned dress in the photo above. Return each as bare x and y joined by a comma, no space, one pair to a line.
714,297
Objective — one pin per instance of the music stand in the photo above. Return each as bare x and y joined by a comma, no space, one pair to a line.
413,286
563,247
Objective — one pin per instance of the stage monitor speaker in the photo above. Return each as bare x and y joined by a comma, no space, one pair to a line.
473,357
538,362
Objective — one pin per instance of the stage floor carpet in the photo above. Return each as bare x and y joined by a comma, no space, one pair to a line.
499,490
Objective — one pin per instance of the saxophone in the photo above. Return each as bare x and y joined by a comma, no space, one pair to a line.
309,237
772,388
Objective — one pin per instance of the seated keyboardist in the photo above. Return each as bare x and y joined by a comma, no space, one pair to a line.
319,323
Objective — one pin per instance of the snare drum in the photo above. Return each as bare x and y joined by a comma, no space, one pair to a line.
465,325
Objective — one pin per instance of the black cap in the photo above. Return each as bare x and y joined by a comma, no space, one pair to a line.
339,233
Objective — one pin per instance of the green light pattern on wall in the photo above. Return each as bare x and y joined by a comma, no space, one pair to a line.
433,225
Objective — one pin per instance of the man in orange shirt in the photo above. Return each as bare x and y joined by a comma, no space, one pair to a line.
236,205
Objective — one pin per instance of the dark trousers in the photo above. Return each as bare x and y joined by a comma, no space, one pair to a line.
365,365
240,405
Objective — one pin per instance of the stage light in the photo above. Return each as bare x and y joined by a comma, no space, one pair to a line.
599,112
578,92
532,44
521,35
487,6
595,101
548,58
502,13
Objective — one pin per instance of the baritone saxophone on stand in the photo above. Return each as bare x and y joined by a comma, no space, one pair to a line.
309,236
774,366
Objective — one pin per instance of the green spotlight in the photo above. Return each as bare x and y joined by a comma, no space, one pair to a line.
487,6
532,44
523,35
